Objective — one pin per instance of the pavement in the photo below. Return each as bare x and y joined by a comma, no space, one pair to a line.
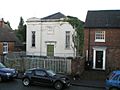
90,78
87,83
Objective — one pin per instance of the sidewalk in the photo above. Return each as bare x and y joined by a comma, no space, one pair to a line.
86,83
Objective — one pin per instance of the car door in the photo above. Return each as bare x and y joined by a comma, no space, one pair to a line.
41,77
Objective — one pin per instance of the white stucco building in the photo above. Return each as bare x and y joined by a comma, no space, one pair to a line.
50,36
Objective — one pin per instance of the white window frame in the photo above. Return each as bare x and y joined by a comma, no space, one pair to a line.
5,47
99,36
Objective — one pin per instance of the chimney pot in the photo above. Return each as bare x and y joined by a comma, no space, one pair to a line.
1,22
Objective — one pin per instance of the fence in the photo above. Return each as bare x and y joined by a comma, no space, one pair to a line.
59,65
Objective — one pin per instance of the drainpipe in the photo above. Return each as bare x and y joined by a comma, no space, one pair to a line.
41,39
88,64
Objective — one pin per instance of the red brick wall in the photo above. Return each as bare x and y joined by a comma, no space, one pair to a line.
10,47
112,42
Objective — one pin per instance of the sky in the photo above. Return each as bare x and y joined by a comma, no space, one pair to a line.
12,10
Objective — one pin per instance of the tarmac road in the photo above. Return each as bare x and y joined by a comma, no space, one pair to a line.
17,85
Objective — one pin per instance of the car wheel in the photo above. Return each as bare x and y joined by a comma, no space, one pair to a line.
0,79
26,82
58,85
114,88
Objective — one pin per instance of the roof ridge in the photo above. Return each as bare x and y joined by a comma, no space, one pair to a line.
57,15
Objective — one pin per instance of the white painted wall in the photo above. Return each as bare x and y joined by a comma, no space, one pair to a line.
44,36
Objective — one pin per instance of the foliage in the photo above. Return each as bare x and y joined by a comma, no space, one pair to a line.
79,37
21,31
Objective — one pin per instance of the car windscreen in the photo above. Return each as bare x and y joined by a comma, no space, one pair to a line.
110,76
1,65
51,73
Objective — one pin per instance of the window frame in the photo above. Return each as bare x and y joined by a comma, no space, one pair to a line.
99,36
33,38
67,39
40,74
5,47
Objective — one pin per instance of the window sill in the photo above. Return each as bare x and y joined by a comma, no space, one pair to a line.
99,40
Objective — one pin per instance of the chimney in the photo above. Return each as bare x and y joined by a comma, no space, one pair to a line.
1,22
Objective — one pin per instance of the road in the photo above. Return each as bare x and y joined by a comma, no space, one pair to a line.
17,85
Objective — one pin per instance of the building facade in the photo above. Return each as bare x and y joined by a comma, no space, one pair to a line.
102,39
8,40
50,36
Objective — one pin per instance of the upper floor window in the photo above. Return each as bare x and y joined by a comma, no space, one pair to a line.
33,38
5,47
67,42
50,30
100,36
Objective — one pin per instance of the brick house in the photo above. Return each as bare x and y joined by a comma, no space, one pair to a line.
8,40
102,39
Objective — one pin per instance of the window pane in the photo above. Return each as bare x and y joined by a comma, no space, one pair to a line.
116,77
100,35
40,73
33,38
5,47
67,45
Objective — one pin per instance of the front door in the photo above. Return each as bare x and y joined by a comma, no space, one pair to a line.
50,50
99,54
99,59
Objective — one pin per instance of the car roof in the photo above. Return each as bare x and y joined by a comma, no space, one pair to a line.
37,69
116,71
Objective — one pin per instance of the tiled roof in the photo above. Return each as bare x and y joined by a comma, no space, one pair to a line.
7,35
103,19
55,16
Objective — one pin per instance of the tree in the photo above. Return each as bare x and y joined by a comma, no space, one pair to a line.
21,31
79,37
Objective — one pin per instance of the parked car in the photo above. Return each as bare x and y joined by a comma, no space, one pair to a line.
7,73
113,81
45,77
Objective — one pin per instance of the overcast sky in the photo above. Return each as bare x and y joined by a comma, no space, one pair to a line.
12,10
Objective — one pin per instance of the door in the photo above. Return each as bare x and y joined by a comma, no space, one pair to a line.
99,59
50,50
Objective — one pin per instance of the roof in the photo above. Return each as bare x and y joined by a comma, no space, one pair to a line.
103,19
55,16
7,35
